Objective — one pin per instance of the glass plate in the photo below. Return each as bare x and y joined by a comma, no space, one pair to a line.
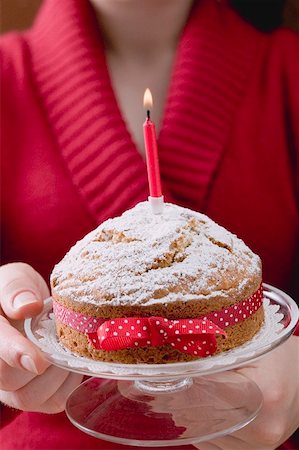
281,316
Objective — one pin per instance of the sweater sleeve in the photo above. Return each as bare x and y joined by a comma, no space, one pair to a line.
11,55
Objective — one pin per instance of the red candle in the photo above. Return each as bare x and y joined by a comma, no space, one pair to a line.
151,150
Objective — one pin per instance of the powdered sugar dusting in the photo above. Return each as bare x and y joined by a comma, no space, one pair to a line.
141,258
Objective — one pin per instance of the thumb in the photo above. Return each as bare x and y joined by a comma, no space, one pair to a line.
22,291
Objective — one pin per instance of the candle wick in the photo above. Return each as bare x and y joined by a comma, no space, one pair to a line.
148,114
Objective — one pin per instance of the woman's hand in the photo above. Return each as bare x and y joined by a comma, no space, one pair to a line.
27,381
276,374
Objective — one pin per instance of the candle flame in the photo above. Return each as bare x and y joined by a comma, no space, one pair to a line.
147,99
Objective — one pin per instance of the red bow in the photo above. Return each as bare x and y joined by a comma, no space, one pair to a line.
193,336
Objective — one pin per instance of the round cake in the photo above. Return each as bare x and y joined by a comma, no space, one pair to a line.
145,288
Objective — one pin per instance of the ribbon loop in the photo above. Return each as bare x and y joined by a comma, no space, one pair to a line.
192,336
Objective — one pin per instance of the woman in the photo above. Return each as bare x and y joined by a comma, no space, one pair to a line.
226,106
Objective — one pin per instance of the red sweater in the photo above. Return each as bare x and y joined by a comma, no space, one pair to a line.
227,146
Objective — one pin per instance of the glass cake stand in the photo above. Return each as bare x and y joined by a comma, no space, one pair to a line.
167,404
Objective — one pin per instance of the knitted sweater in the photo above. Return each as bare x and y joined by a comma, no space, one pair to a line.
228,147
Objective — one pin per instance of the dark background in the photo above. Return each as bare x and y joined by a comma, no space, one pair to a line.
264,14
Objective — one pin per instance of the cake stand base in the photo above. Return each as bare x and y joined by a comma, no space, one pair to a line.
164,413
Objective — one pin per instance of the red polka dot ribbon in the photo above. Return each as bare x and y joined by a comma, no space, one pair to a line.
193,336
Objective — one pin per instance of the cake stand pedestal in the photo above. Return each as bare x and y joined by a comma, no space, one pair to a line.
167,404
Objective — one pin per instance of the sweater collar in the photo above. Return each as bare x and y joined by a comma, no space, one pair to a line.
211,70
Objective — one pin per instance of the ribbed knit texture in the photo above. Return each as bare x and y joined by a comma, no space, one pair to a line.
69,66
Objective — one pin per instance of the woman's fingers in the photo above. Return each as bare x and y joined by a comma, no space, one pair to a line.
22,291
19,352
12,379
27,381
46,393
39,390
56,403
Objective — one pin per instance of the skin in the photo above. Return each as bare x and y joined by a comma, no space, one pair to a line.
136,60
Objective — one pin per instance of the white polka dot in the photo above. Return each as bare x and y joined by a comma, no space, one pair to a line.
177,332
199,348
178,339
185,348
207,352
127,333
190,321
165,320
217,332
157,322
221,319
236,319
86,330
244,316
195,352
85,318
197,326
215,315
184,326
192,342
94,341
94,320
144,328
226,324
210,327
120,327
125,321
90,325
77,328
170,326
250,312
226,311
204,342
161,331
204,322
112,322
139,334
107,329
81,323
136,343
231,315
132,327
172,344
204,331
114,333
190,331
240,312
138,321
235,307
148,342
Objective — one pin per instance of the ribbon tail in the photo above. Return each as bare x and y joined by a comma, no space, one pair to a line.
94,340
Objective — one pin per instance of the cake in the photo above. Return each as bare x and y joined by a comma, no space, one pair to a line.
145,288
